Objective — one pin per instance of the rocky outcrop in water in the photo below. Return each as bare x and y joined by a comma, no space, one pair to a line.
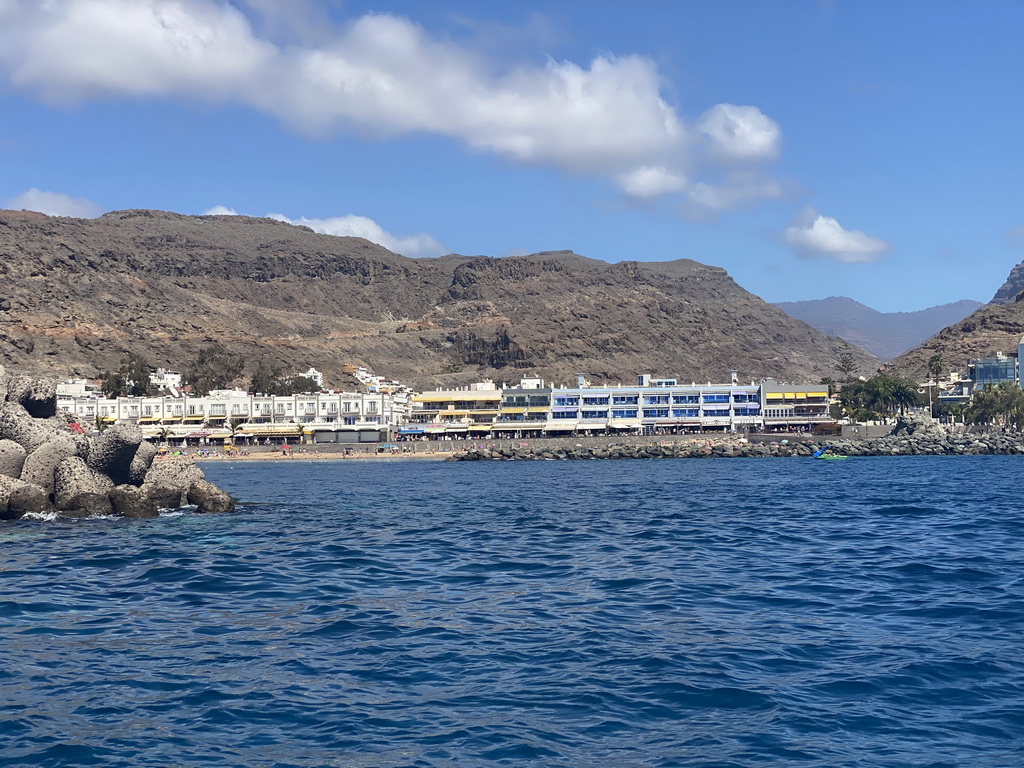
47,466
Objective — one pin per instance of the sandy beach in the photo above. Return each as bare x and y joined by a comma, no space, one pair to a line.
320,456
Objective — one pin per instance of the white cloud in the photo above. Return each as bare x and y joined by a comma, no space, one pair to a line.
738,189
54,204
740,133
381,75
220,210
361,226
817,236
649,182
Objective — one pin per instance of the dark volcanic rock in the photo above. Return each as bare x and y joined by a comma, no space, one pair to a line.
87,505
41,464
141,463
114,451
209,498
73,479
12,458
130,501
37,396
44,465
28,499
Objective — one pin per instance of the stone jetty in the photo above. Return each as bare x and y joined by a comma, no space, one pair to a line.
912,436
48,464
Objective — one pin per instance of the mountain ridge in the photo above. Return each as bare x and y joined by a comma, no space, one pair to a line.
884,334
82,292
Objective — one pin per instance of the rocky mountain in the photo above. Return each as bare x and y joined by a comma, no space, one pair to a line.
993,328
1010,291
884,334
77,294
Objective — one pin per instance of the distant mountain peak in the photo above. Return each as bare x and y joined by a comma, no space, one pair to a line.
884,334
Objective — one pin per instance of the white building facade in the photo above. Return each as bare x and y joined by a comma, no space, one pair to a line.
241,417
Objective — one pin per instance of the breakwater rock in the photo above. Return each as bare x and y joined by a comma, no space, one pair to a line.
48,464
928,444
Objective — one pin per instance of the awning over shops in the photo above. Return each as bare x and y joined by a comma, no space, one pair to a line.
562,425
269,430
456,428
480,428
592,425
410,431
434,429
615,424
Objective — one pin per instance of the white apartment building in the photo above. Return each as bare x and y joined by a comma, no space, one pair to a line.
237,416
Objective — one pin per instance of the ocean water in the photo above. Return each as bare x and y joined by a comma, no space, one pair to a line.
646,613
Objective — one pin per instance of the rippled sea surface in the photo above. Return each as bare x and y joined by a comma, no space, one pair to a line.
646,613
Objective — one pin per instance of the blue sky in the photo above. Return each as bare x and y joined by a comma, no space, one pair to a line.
866,149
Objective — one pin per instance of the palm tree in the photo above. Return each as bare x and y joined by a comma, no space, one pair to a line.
1003,402
904,394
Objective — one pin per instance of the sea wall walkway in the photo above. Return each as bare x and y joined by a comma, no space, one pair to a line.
930,445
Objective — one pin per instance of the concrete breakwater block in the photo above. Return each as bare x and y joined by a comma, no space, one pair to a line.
48,465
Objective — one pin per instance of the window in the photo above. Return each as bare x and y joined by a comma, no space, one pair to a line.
348,406
655,413
594,414
716,398
655,399
349,420
595,401
218,410
147,410
564,415
371,406
685,413
625,400
280,409
685,399
566,401
624,413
